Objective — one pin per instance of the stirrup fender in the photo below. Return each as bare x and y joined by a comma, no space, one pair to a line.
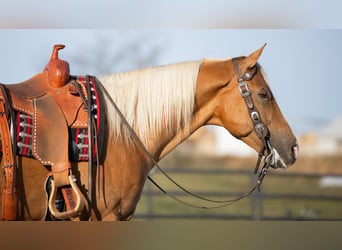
69,213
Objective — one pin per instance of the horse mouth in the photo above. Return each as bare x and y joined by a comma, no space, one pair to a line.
278,161
285,159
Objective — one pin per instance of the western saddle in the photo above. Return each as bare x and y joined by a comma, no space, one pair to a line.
51,92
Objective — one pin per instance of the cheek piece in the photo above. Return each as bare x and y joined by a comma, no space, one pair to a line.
260,128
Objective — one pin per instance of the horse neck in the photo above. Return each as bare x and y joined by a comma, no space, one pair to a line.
157,103
212,75
166,144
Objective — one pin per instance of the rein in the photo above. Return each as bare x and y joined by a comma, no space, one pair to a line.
259,127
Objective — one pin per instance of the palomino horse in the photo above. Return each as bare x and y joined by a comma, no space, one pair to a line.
164,106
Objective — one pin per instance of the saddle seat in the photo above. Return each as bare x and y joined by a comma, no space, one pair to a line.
37,87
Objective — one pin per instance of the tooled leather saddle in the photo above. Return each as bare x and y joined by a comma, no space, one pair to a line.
38,118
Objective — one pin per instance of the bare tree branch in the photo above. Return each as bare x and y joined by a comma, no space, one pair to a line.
108,54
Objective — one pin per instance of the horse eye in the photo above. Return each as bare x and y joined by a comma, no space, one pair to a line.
264,95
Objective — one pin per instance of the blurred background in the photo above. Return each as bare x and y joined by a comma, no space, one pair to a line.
303,69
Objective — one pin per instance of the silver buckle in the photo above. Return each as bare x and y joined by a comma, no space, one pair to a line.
260,129
255,117
244,91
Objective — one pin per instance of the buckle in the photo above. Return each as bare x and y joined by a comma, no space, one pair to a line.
261,130
255,117
6,167
244,91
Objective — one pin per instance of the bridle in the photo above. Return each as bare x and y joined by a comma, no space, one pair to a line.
260,129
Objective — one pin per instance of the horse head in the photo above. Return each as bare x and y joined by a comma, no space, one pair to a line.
242,101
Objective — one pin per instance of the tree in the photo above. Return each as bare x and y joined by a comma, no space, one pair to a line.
116,52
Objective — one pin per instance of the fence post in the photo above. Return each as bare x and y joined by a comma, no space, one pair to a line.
251,199
256,200
261,203
149,201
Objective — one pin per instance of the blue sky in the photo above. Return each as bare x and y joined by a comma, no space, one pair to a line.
302,58
303,66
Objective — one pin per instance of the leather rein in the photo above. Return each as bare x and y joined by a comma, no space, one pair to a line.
259,127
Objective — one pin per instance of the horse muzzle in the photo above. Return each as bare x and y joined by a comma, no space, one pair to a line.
284,163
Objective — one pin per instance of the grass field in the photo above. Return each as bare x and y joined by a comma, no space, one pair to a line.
285,195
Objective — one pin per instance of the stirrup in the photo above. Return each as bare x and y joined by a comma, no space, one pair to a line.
69,213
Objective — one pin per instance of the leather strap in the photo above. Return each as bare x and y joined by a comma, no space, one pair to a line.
69,198
90,145
92,136
259,126
8,191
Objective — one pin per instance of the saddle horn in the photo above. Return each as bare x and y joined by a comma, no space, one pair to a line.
58,69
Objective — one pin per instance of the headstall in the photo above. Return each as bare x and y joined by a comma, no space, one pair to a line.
260,128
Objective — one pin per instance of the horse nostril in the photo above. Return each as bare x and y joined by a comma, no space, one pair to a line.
295,151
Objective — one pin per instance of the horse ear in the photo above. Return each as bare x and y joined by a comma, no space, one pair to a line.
252,59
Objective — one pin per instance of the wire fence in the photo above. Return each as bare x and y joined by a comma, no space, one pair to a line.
284,196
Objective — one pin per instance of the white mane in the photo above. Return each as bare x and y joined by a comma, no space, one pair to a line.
154,101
